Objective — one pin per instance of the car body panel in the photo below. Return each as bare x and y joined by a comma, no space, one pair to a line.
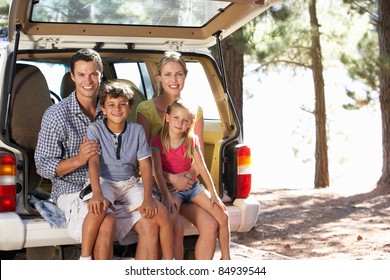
230,17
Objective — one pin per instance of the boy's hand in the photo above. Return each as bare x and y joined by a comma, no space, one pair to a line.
148,208
98,204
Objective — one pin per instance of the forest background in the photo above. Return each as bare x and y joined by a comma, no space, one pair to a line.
311,93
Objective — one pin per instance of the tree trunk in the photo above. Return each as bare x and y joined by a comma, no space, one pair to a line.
321,179
233,54
383,27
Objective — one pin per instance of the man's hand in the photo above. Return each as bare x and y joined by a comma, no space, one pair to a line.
87,149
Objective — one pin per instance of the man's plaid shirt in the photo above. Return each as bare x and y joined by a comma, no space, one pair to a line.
62,130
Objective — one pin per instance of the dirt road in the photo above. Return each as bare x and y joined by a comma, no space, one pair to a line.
346,224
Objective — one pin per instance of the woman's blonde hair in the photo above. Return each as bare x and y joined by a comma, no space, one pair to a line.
169,56
188,135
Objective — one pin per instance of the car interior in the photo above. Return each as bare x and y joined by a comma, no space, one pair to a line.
25,127
32,77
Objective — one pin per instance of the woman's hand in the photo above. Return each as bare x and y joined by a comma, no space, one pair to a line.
180,181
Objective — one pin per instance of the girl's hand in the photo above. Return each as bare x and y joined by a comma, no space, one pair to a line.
148,208
98,204
173,204
215,200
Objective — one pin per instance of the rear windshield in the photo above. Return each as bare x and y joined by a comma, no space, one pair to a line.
186,13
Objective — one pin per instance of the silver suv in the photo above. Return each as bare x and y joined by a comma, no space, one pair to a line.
131,36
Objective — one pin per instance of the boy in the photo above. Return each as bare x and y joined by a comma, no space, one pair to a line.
115,189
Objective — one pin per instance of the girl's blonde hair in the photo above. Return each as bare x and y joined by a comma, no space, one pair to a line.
188,135
169,56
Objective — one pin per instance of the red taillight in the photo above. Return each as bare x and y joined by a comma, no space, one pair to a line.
7,182
244,173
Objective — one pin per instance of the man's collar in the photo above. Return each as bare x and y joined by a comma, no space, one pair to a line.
76,109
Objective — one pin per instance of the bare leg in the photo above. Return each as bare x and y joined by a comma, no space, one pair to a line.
103,249
207,227
147,247
203,200
165,231
90,232
178,235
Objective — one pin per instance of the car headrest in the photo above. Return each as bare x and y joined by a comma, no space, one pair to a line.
67,85
30,99
138,97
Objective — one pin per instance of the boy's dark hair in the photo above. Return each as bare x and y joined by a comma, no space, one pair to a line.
115,89
86,55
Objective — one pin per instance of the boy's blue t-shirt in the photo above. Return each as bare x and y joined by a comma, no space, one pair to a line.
119,153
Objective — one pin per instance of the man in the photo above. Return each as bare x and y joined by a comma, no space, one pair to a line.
62,154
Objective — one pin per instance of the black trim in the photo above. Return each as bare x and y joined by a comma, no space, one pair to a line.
12,77
118,147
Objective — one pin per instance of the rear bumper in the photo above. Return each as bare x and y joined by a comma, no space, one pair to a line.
242,216
12,234
17,233
249,209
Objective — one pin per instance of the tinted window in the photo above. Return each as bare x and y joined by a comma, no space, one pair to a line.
138,12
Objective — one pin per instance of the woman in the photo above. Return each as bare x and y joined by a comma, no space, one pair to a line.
171,75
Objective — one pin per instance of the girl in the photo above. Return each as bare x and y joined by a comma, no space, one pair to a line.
173,151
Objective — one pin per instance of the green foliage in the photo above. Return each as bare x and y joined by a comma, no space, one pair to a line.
359,101
364,65
362,6
4,8
281,38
